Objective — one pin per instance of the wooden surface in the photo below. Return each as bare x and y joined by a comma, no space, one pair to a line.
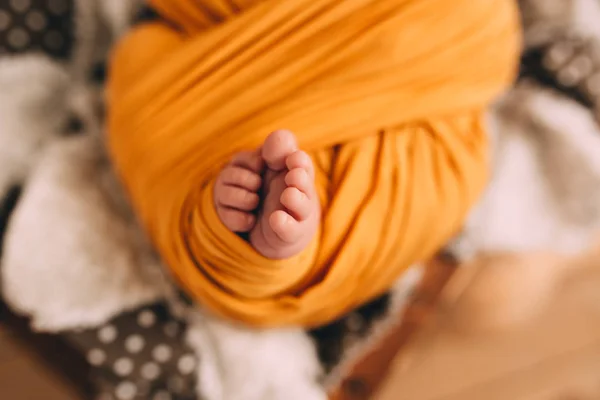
368,375
24,377
556,356
37,367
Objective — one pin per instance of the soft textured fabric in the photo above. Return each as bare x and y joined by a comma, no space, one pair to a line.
388,97
37,26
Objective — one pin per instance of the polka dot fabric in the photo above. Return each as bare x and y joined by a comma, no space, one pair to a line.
36,25
570,65
140,355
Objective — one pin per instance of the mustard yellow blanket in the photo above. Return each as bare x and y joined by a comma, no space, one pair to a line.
387,96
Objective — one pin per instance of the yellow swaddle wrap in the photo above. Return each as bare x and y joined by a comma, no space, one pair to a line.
388,97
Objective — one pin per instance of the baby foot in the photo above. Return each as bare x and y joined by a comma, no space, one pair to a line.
236,191
285,221
289,214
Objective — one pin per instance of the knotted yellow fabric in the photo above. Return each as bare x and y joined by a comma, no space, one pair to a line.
387,96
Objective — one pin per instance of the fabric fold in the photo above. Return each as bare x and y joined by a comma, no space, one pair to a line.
388,97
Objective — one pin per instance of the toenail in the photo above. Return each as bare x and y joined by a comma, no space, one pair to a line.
280,218
285,219
284,136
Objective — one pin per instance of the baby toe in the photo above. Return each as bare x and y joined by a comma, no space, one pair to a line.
300,179
277,148
241,177
251,160
238,198
297,203
236,220
300,159
285,226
